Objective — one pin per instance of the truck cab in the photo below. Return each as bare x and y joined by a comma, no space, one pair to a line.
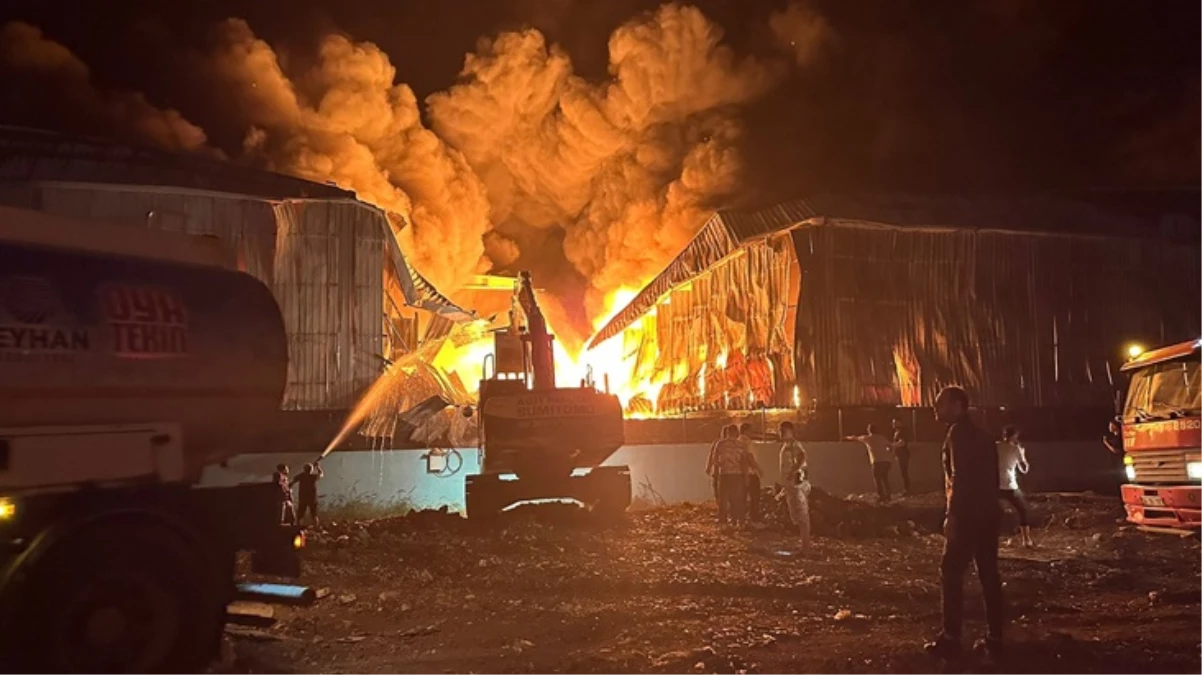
1162,434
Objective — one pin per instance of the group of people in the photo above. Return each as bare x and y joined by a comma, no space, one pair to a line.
1012,460
882,452
979,472
293,513
735,475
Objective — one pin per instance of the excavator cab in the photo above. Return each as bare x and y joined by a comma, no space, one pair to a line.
540,441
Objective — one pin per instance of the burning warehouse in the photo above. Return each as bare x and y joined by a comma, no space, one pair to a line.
351,303
843,302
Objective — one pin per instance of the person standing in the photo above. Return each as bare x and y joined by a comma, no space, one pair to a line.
1012,460
733,461
879,454
971,527
901,450
280,478
753,478
794,475
711,470
307,493
1113,438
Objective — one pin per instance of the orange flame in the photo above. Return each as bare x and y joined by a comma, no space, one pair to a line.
607,360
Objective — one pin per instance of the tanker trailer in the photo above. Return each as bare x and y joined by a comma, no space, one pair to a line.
540,441
129,360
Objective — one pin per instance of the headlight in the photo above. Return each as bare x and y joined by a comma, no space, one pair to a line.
1130,472
8,508
1194,470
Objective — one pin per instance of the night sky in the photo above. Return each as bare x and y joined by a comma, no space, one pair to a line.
913,94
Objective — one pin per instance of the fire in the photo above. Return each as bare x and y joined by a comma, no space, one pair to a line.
570,369
466,361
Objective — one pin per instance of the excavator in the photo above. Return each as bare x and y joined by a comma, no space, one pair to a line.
540,441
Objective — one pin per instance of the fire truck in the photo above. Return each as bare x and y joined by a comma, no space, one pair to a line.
1162,434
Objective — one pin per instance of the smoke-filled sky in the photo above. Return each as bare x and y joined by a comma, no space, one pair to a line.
586,141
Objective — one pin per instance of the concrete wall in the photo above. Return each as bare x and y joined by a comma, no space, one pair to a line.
660,473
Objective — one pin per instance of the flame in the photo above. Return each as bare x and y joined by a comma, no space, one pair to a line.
466,361
607,359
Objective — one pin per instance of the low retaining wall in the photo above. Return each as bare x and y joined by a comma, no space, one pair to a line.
661,474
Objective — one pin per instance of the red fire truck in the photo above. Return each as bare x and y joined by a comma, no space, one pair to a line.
1162,436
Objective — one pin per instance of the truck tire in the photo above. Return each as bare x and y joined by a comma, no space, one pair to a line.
482,498
128,596
613,492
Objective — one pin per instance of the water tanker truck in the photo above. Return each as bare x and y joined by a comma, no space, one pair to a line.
129,361
540,441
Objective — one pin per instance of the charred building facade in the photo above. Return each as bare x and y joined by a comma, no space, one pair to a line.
846,302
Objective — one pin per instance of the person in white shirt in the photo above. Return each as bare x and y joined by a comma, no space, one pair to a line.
880,454
1012,460
795,480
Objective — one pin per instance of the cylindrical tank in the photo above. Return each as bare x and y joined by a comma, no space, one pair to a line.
88,337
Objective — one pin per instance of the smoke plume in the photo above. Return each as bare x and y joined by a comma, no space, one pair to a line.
627,167
524,164
345,121
801,30
35,61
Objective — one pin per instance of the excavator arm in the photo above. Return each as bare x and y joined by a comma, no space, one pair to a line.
540,351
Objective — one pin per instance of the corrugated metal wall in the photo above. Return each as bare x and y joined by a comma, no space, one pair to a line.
888,315
329,280
323,260
721,341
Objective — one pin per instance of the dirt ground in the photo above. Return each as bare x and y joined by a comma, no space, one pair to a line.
671,591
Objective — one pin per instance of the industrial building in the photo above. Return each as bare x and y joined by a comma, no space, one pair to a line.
351,303
844,302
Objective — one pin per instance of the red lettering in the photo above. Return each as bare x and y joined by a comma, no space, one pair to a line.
171,309
115,304
143,304
132,304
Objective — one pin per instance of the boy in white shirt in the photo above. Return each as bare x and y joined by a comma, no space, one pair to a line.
1012,460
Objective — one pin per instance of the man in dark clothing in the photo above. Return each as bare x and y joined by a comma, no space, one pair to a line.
280,478
308,491
1113,438
901,450
970,469
753,478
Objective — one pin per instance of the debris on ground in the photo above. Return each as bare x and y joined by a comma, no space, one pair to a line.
670,589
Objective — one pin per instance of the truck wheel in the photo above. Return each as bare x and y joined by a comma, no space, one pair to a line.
482,498
127,597
614,493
